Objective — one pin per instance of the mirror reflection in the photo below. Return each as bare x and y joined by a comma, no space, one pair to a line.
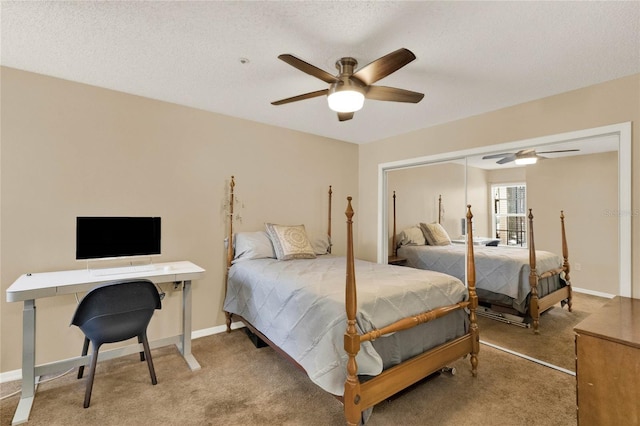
430,193
578,178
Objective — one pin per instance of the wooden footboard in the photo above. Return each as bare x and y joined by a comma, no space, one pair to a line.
538,305
361,396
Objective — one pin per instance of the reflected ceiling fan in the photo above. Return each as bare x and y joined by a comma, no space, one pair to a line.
347,90
524,156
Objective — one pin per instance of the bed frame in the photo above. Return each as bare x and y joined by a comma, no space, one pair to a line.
537,305
360,396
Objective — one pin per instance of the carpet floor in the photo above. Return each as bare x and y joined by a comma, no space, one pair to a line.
555,343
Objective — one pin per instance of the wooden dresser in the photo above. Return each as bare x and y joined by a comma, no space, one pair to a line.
608,365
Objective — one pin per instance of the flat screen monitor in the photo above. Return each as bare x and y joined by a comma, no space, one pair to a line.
116,237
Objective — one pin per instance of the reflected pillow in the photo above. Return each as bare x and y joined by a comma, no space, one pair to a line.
290,242
412,236
435,234
252,245
320,244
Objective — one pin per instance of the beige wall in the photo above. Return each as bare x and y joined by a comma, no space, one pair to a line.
608,103
70,149
478,199
417,191
592,232
417,197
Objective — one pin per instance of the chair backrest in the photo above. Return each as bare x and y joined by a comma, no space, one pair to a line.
117,310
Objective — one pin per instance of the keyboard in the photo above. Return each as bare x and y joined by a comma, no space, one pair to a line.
122,270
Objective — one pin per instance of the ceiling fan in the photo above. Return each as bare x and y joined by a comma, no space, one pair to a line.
347,90
524,156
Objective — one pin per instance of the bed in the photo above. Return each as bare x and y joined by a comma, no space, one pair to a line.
509,280
402,324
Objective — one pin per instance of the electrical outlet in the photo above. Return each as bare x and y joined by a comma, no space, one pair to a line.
577,266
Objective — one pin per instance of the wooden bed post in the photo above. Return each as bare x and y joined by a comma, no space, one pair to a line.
351,398
533,278
393,239
440,208
473,297
565,263
329,225
232,185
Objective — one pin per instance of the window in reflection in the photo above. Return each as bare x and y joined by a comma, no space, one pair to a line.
509,214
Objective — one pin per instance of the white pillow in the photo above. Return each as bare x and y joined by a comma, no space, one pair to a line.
253,245
435,234
290,242
320,244
412,236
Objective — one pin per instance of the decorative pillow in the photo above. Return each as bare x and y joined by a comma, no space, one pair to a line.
435,234
320,244
412,236
252,245
290,242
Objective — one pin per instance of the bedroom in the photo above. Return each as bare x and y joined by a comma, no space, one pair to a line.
70,148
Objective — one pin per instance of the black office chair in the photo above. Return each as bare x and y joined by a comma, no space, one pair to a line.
113,312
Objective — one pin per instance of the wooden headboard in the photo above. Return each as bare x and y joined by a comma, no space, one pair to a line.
232,185
394,243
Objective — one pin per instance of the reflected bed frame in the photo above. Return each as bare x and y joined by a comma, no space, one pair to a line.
537,305
360,396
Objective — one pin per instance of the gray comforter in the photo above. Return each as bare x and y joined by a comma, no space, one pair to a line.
502,270
299,305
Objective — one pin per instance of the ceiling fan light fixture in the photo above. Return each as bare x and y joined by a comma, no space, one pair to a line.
524,161
345,96
348,89
346,101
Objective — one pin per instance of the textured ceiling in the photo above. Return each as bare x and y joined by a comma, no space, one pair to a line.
472,57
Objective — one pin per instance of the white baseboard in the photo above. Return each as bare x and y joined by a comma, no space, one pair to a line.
215,330
593,292
10,376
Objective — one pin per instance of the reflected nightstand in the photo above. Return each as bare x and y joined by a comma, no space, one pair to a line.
397,260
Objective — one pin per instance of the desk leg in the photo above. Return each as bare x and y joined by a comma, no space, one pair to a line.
28,363
186,327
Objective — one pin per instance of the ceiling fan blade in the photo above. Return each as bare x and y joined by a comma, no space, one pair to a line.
384,93
308,68
301,97
344,116
507,159
562,150
384,66
504,154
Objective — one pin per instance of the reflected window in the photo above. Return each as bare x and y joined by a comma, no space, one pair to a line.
509,214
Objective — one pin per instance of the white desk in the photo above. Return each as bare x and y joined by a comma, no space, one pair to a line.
29,287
